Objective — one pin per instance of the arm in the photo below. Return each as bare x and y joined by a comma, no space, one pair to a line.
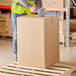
26,4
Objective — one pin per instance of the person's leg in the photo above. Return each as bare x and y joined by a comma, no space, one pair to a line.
14,26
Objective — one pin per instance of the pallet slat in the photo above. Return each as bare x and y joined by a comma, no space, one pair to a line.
30,71
5,74
38,69
63,65
16,73
59,68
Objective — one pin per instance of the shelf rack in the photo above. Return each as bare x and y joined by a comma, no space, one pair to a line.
5,7
68,21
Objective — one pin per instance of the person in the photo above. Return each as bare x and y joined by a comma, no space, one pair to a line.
20,8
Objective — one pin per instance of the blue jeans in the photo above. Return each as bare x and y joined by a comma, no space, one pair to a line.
14,26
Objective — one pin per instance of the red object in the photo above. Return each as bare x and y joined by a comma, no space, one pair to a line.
5,7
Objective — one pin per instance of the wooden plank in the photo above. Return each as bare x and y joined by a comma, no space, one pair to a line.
38,69
15,63
69,63
16,73
5,74
59,68
29,71
62,65
70,67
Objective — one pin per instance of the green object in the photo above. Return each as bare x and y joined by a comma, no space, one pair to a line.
19,9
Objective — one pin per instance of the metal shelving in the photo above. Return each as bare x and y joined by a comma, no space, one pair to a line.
68,21
5,7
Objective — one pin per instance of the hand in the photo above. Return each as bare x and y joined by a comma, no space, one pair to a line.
33,9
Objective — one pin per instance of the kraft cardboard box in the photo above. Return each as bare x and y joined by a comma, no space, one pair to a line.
54,3
6,2
5,25
73,25
62,28
38,40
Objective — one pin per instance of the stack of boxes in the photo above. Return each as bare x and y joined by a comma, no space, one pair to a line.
5,25
62,21
5,19
57,4
73,29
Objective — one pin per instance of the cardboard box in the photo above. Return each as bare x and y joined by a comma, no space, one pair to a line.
5,2
5,25
73,25
62,28
74,13
38,41
54,3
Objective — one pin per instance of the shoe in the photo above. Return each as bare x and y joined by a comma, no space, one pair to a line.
16,59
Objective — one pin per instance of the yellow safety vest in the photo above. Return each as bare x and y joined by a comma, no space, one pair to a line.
19,9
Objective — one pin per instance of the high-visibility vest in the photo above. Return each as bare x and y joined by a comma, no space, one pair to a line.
19,9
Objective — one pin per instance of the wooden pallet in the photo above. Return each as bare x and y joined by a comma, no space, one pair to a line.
54,70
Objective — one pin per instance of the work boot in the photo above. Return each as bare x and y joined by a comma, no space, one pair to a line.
16,59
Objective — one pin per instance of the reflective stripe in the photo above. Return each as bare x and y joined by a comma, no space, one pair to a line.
17,3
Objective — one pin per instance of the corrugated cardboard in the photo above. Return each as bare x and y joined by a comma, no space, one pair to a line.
74,13
54,3
5,2
38,40
73,25
62,28
5,25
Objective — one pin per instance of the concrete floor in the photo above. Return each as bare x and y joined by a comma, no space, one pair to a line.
68,54
6,52
7,56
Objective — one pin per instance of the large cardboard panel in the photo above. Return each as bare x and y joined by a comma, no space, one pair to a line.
38,40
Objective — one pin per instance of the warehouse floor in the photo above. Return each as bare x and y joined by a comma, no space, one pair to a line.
7,56
6,52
